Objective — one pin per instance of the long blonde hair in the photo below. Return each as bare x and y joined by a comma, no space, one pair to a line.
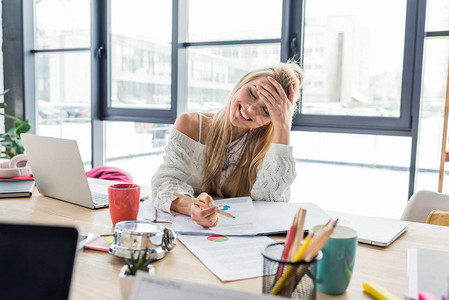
242,179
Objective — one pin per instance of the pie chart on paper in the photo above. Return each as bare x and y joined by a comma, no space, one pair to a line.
217,238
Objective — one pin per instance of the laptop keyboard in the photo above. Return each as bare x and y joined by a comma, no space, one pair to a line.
99,198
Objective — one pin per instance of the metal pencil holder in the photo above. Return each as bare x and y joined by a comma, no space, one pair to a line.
302,283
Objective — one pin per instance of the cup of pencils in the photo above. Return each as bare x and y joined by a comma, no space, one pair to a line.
289,268
300,283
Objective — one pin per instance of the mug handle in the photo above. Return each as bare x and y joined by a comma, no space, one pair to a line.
169,239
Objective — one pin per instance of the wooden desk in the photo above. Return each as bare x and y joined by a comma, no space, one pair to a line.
96,273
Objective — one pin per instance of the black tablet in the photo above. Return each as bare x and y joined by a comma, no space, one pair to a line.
36,262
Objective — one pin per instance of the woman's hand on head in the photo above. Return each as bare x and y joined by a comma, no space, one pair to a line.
279,105
206,217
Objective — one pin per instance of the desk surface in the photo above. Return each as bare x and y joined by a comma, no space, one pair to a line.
96,273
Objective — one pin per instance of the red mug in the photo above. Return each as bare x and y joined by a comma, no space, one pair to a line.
124,201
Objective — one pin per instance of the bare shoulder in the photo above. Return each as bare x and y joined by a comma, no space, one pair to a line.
187,123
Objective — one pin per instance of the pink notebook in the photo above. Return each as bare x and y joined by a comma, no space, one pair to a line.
100,243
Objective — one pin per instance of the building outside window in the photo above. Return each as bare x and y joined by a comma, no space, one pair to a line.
354,69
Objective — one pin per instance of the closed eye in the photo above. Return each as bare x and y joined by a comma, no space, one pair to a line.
266,111
252,94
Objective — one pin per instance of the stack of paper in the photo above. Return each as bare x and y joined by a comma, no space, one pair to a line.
243,223
253,218
231,250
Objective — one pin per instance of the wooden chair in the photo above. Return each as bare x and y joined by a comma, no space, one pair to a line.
438,217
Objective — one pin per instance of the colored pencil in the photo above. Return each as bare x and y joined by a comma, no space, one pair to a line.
286,284
277,287
287,247
299,232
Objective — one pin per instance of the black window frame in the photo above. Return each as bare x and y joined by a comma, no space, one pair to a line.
291,41
18,16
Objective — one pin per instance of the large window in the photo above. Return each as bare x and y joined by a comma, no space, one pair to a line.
219,52
140,63
62,63
353,61
356,78
434,85
115,74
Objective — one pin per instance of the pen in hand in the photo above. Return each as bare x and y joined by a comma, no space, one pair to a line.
199,203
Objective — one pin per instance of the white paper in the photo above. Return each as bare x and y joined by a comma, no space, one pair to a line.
243,223
229,257
277,217
147,212
148,287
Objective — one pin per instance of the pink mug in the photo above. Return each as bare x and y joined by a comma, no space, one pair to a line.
124,201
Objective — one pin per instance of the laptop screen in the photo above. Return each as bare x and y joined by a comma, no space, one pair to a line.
36,262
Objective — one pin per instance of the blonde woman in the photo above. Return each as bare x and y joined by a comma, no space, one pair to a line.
243,150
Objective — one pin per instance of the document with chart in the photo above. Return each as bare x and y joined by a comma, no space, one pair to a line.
229,257
243,223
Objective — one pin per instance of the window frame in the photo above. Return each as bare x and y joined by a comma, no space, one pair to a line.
400,126
21,16
291,41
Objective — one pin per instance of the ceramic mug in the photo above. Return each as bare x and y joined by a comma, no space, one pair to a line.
334,270
124,201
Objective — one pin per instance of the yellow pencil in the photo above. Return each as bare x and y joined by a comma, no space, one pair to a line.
199,203
287,272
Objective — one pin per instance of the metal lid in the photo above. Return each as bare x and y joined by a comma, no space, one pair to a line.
139,228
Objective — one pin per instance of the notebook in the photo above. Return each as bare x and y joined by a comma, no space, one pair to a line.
371,230
59,172
13,189
37,261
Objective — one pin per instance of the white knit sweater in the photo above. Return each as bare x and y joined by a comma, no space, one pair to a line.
182,171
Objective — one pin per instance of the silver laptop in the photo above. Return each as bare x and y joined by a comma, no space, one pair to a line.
59,172
373,231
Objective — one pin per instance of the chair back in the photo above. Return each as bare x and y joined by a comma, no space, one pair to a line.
438,217
422,203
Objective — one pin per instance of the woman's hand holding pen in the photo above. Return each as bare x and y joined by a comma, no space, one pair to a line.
279,105
206,217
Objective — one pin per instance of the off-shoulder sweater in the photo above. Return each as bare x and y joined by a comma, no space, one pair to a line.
182,171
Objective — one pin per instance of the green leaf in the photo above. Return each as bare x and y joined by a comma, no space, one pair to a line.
4,92
23,128
10,117
6,144
12,132
2,105
18,147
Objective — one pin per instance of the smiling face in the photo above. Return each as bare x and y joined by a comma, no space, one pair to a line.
247,110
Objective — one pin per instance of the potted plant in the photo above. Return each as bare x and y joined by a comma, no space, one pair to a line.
10,140
137,261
